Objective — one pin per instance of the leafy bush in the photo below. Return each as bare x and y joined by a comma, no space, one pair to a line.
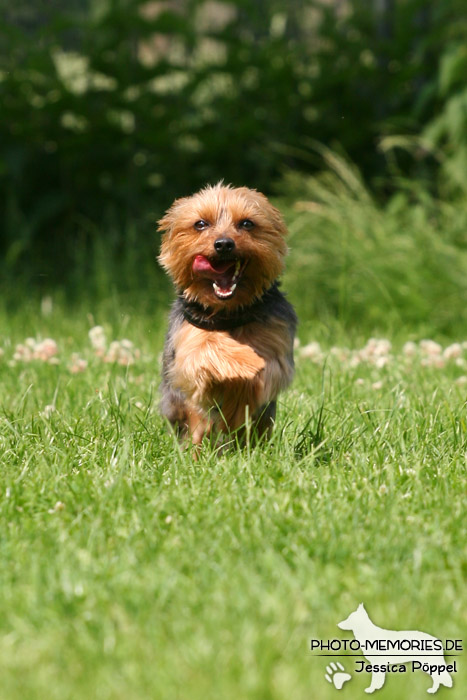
110,112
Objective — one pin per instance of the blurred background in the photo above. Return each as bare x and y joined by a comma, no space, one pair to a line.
350,114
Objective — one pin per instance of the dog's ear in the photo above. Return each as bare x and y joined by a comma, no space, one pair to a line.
279,223
166,224
274,215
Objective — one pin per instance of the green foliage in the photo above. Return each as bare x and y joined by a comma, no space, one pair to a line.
373,266
353,262
448,131
111,111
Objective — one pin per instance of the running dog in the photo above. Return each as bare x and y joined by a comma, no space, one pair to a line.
229,348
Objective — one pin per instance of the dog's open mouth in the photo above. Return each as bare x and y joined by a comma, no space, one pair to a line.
224,274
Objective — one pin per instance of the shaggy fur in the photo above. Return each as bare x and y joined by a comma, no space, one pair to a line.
228,353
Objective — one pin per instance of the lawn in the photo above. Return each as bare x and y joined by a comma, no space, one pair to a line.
130,571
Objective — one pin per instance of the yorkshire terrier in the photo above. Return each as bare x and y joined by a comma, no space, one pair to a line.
229,348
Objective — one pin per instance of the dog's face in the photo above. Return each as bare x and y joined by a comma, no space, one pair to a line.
355,618
223,247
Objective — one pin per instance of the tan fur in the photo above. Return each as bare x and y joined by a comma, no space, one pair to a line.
198,424
232,370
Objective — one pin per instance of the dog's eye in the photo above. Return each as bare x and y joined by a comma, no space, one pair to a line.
246,224
201,225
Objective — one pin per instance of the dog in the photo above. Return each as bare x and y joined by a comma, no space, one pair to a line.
370,637
229,348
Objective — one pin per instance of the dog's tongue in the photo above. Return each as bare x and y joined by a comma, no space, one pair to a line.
222,273
202,264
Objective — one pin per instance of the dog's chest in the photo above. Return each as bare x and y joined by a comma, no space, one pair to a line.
206,360
212,357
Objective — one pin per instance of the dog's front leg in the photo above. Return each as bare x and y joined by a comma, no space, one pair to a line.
263,421
277,375
377,681
198,426
237,401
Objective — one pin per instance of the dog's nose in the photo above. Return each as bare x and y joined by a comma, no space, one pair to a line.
224,245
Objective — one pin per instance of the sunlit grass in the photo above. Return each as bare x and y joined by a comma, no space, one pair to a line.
128,570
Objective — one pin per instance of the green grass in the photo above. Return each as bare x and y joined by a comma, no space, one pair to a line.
130,571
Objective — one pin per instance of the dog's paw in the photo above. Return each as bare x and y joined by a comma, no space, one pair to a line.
336,675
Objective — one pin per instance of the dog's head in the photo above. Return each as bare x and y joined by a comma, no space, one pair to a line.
355,619
224,246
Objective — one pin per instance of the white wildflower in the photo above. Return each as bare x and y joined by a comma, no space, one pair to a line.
342,354
433,361
22,353
409,349
57,507
77,364
311,351
452,352
45,350
378,346
98,340
122,352
381,362
48,410
429,347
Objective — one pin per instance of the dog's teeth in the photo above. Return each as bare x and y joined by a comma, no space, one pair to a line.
224,293
237,267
